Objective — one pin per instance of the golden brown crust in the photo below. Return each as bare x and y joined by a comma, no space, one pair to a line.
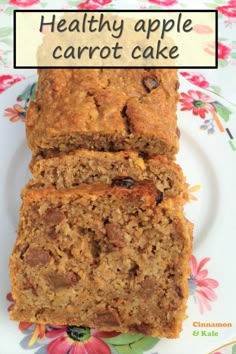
144,190
104,109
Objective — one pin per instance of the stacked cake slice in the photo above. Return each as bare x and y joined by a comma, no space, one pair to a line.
102,238
84,166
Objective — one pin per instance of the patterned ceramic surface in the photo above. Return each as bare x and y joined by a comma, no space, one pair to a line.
207,120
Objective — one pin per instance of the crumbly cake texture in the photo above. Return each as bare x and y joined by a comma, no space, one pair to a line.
84,166
104,110
111,258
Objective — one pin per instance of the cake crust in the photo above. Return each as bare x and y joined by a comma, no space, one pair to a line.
104,110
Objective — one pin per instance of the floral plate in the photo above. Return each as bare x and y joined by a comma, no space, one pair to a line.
208,157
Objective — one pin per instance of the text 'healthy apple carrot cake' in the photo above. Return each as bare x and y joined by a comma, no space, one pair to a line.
102,239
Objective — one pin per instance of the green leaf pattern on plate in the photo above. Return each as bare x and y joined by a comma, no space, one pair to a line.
27,95
131,343
234,349
223,111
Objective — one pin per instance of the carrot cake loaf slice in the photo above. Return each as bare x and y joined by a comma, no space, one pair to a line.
107,257
85,166
104,110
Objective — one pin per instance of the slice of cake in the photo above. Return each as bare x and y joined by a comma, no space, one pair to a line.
84,166
104,110
111,258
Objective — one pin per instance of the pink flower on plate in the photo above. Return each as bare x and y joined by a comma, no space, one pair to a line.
164,2
8,80
197,102
24,3
196,79
200,286
93,4
223,51
229,9
78,340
